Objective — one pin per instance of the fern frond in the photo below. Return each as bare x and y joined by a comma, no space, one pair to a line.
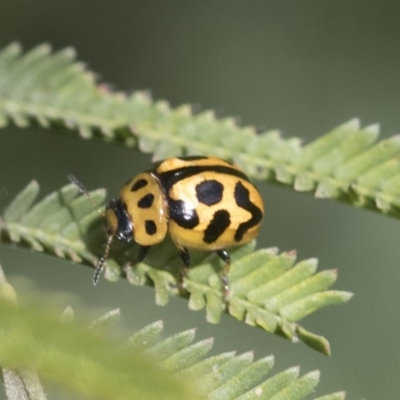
80,359
52,88
268,289
347,164
58,351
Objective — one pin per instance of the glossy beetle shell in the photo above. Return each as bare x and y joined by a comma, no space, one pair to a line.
202,202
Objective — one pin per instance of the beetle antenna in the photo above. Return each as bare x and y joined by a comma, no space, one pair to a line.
84,191
102,260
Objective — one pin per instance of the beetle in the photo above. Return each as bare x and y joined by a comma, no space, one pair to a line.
203,203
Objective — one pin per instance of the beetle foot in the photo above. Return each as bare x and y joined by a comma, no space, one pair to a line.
180,284
226,290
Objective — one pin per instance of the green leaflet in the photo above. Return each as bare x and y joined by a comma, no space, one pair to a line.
57,224
347,164
268,289
39,343
60,352
75,349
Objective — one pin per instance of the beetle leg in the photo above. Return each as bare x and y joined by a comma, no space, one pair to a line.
185,256
224,255
142,253
143,250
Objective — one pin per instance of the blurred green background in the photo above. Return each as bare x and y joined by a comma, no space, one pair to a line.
303,67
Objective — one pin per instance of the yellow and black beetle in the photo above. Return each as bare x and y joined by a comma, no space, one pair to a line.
203,203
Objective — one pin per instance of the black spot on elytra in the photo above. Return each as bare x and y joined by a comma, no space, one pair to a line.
169,178
221,220
185,217
138,185
150,227
146,201
209,192
242,199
